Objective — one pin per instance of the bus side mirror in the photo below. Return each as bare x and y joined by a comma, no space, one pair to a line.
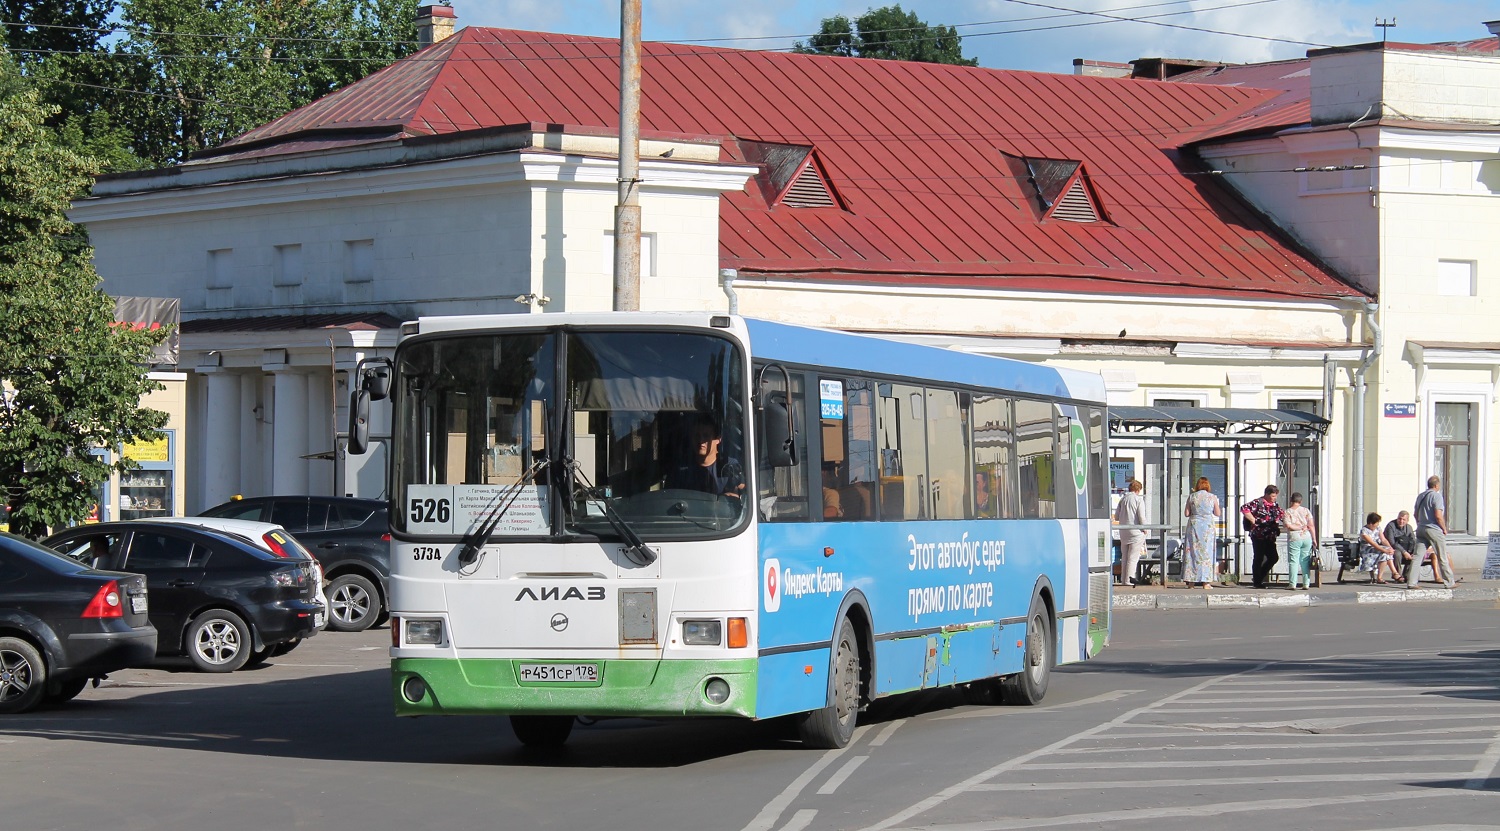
377,381
359,422
372,382
778,433
778,441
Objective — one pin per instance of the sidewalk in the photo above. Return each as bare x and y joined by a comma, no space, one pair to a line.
1355,589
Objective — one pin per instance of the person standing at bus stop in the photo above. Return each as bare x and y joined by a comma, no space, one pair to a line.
1131,511
1198,549
1432,529
1301,539
1263,518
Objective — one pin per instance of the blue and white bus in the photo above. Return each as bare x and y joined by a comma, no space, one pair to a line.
646,514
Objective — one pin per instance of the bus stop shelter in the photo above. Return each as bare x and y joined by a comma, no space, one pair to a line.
1169,448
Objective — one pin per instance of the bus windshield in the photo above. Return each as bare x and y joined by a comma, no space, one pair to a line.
570,433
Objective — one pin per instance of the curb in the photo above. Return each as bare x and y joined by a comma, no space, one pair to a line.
1273,600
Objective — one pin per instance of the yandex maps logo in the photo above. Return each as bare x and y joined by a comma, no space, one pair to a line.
771,584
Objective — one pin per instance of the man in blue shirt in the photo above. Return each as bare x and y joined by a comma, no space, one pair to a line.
1432,528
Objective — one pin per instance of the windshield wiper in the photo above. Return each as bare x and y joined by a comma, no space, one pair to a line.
635,550
477,537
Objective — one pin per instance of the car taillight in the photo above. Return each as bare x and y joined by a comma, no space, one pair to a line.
106,602
274,541
296,576
385,537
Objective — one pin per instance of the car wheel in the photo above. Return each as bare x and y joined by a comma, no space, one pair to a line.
23,676
353,602
833,726
218,641
67,690
542,731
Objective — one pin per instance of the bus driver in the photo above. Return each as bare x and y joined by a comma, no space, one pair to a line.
708,471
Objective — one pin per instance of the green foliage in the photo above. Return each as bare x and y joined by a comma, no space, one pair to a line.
887,33
217,68
72,381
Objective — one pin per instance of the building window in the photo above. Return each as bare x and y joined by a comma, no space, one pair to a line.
288,265
648,254
219,273
1453,461
1294,467
359,260
1176,402
1455,278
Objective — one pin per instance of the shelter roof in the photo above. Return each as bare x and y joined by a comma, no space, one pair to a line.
1216,420
878,172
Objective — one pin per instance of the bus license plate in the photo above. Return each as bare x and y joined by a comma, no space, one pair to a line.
586,673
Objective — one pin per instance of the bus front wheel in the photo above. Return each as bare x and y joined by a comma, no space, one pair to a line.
833,726
1030,684
542,731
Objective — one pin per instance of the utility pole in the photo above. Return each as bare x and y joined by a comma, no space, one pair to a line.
628,210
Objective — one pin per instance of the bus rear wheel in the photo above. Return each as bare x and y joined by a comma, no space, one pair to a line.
1029,685
833,726
542,731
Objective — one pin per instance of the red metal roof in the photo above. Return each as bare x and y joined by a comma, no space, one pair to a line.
915,153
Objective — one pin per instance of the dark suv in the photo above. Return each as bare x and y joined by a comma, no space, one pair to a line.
351,537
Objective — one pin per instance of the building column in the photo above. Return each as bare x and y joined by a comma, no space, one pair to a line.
252,446
221,437
289,432
320,434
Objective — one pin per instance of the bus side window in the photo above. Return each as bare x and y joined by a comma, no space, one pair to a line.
948,455
994,458
849,470
1067,492
782,491
1035,455
1098,465
904,483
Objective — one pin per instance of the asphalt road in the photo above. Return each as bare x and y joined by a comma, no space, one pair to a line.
1379,717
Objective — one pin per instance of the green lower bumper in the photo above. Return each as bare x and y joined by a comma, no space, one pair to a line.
489,686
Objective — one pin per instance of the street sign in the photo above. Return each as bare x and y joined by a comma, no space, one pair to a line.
1400,411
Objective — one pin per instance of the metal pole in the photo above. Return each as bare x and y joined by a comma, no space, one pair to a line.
627,285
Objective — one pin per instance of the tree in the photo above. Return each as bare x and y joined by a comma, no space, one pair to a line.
887,33
213,69
71,380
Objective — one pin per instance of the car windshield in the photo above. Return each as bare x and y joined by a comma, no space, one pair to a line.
643,426
39,555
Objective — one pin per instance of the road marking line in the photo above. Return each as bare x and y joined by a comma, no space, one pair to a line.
951,791
885,732
1484,768
1137,815
841,774
1176,731
1343,697
800,820
1235,763
772,810
1152,784
1309,741
1021,711
1319,707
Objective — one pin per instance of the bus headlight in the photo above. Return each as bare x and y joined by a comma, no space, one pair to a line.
426,632
716,690
702,632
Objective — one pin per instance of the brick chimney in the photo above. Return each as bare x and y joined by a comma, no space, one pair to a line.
434,24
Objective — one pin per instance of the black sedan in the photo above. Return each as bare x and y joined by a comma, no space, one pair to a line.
350,536
217,597
62,623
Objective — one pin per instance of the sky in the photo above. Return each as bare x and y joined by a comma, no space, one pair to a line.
992,30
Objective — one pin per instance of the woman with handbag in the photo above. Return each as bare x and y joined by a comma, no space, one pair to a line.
1202,512
1301,537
